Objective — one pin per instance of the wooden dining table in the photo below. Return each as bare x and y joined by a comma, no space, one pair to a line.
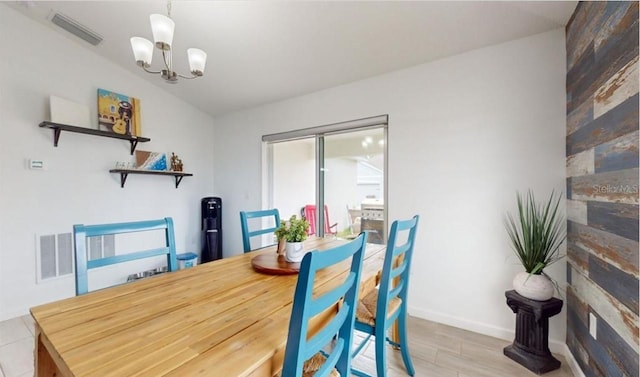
221,318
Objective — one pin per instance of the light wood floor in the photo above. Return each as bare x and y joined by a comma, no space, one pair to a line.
443,351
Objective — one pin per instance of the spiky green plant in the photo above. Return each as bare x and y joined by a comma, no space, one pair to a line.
537,233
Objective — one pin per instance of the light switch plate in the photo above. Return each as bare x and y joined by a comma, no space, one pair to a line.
593,325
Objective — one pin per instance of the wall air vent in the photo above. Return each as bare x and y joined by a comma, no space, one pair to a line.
76,29
54,256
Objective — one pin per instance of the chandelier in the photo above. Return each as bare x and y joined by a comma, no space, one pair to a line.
162,28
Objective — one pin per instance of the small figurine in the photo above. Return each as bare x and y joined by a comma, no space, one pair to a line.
176,162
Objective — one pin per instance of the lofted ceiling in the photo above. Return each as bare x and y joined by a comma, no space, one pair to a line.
262,52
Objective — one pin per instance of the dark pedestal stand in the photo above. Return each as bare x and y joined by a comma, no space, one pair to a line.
531,345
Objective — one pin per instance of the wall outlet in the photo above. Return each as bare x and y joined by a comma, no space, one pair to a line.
593,325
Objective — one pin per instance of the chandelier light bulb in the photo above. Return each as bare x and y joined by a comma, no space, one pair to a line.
142,51
197,61
162,28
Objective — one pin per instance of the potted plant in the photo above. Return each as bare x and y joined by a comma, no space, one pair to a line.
293,232
536,235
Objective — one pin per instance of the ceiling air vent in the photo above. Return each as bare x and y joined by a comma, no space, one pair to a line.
76,29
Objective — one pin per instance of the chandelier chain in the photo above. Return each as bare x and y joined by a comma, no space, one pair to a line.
168,62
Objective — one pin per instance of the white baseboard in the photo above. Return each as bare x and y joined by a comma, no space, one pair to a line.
555,346
573,364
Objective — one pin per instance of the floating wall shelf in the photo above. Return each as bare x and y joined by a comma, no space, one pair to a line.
124,173
58,127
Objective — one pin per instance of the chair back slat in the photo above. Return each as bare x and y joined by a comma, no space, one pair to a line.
263,215
120,228
402,248
82,232
332,297
395,279
322,338
399,270
299,348
395,291
332,359
95,263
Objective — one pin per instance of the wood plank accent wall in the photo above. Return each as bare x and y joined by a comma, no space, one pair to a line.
602,187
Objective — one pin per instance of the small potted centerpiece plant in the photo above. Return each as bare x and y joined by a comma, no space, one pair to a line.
293,231
536,235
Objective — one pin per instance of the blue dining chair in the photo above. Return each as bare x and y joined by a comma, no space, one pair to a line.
328,351
82,232
381,308
263,216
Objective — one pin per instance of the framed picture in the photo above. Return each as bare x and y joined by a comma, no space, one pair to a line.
146,160
118,113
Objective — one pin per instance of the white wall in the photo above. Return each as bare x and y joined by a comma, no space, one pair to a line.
465,133
370,182
294,177
341,189
76,186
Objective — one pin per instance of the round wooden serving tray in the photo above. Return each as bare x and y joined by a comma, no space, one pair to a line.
274,264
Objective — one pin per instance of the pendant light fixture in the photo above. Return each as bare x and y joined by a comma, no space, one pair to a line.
162,28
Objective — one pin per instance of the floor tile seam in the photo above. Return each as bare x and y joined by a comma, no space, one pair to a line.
15,341
16,319
29,334
28,325
474,346
435,357
488,367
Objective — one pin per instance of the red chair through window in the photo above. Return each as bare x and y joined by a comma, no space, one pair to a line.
309,213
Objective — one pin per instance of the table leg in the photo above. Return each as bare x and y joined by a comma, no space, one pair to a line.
44,364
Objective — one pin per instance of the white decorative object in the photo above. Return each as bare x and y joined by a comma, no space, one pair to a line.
534,287
68,112
294,252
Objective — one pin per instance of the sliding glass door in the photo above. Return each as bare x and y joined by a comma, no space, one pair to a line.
341,170
354,177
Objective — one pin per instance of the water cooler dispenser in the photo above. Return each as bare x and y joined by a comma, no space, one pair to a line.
211,229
